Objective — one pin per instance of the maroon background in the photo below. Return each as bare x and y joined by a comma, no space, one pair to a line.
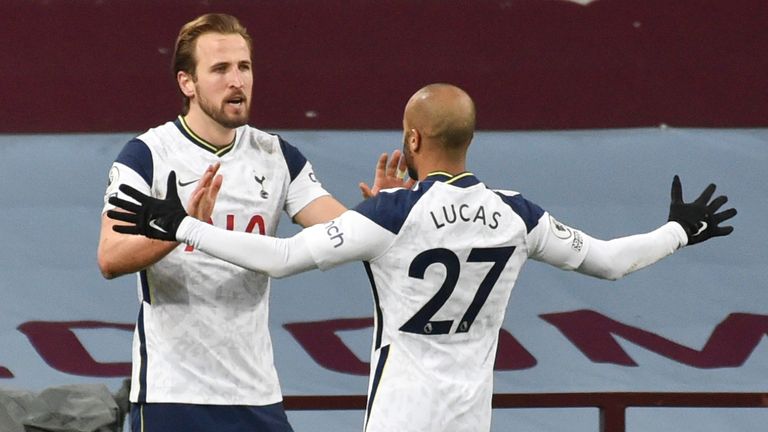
104,65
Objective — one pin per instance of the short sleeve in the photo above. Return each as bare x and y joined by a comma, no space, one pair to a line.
304,186
134,167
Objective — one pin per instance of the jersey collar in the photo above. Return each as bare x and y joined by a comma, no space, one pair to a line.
462,180
192,136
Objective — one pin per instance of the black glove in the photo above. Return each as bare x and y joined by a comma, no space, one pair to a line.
152,217
699,218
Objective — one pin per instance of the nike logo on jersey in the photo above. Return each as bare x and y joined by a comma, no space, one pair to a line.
153,224
187,183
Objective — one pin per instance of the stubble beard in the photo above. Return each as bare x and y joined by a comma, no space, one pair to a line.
220,116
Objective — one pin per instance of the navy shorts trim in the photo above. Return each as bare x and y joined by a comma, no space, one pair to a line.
172,417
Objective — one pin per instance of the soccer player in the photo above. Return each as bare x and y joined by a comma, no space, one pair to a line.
442,258
202,354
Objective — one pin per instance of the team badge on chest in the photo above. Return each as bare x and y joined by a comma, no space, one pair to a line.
260,180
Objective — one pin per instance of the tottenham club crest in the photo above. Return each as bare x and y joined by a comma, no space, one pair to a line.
260,180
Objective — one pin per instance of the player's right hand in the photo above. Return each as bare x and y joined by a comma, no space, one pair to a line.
390,173
699,218
151,217
203,199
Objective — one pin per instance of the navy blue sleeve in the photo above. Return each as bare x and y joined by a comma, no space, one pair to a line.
293,158
528,211
137,156
390,209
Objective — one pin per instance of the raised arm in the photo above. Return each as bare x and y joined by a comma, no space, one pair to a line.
161,220
119,254
317,246
689,223
276,257
614,259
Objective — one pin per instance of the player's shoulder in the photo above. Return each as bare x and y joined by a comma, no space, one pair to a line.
529,211
270,142
163,134
505,192
391,207
146,150
255,138
158,142
137,153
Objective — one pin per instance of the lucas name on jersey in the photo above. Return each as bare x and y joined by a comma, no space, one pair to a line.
457,213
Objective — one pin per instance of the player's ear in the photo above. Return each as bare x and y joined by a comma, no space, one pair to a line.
186,83
414,140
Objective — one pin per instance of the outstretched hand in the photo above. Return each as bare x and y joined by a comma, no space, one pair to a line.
203,198
699,218
151,217
390,173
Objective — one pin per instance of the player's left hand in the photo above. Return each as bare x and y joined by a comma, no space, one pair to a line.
699,218
151,217
390,173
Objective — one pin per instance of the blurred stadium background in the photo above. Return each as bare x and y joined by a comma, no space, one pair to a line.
587,107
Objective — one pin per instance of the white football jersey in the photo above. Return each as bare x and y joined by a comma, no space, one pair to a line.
201,335
442,260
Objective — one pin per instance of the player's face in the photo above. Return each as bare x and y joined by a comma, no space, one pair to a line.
224,78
